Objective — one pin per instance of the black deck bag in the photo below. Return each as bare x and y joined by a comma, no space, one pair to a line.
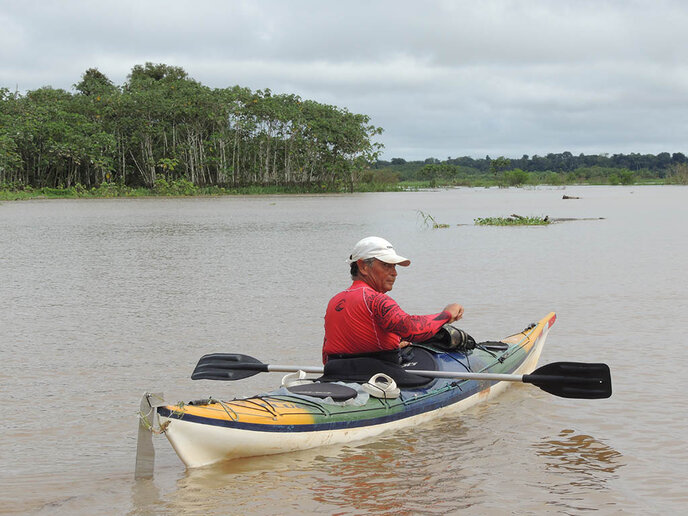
451,338
360,368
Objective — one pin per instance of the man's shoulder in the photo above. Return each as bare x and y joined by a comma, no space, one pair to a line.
359,290
379,300
353,290
357,287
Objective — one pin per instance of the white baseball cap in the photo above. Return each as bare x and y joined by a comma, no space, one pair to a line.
376,247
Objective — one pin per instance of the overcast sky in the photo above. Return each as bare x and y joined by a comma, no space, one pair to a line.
443,78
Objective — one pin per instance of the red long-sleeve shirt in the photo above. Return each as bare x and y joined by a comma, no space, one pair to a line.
362,320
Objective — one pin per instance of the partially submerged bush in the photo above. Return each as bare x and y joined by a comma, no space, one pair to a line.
513,220
623,177
175,187
516,177
678,175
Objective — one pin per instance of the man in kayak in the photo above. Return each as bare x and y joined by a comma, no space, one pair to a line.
364,321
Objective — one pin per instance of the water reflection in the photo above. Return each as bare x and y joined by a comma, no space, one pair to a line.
402,477
442,468
592,461
145,497
410,472
276,484
368,479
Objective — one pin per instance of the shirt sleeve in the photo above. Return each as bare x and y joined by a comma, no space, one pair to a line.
415,328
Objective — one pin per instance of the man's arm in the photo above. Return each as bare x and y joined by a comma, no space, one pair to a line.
389,316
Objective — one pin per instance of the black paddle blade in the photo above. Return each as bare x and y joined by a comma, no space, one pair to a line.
227,366
573,380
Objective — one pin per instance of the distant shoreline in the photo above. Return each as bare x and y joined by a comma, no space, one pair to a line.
123,192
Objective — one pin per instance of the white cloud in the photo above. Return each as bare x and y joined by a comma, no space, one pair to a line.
442,77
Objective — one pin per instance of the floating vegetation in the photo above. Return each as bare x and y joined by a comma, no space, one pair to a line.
512,220
429,221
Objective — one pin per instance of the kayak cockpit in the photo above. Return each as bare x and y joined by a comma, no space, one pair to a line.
361,368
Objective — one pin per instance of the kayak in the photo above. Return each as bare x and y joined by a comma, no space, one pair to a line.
306,413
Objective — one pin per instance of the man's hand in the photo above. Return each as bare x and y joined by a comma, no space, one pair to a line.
455,310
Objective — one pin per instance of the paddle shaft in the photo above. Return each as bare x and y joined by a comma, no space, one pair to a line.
276,368
270,368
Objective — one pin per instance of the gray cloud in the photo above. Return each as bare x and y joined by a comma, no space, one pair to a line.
444,78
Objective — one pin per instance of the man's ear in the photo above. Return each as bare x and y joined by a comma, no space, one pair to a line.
362,267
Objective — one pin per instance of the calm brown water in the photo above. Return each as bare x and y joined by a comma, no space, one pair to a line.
102,300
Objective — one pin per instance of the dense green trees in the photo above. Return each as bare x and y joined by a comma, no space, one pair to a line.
553,168
161,124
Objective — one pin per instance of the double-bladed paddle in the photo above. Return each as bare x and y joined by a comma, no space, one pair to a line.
564,379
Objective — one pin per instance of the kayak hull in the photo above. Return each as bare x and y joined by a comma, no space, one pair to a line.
270,424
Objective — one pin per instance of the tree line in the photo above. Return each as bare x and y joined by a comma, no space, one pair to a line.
163,125
554,168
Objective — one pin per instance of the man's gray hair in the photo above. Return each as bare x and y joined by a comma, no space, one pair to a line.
354,266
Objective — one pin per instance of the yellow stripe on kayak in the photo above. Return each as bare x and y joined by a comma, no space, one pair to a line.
252,410
526,339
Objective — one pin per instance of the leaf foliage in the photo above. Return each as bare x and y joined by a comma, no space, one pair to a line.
162,127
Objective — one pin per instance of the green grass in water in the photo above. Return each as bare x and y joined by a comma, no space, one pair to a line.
514,220
429,220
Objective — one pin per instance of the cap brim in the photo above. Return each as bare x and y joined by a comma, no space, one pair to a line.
395,259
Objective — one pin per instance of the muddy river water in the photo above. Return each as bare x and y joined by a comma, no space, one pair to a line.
101,300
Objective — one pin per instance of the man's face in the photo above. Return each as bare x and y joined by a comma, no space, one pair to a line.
379,275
